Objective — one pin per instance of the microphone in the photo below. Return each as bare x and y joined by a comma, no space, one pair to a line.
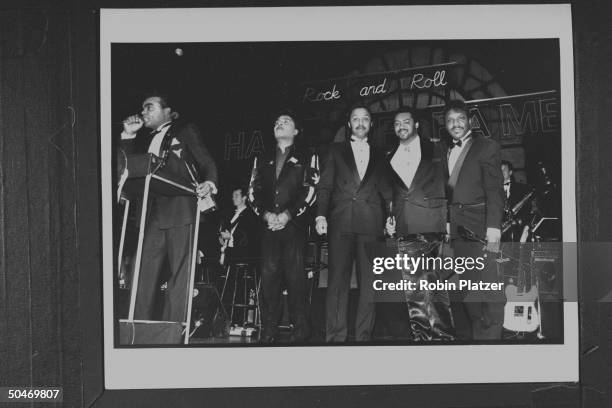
123,121
174,115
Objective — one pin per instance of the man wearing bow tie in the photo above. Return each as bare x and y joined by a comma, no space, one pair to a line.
168,238
476,202
352,194
281,198
419,207
239,230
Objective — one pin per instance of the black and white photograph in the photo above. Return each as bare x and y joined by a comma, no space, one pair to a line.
287,283
305,204
315,194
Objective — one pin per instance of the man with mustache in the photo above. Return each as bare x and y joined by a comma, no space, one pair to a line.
476,202
281,198
419,207
171,220
419,199
352,193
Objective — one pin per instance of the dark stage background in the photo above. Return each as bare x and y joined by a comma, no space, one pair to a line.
233,90
50,265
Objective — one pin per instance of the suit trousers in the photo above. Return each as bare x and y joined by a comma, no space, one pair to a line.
173,244
282,254
344,248
477,315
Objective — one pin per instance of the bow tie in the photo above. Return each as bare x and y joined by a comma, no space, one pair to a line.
354,139
458,143
507,183
157,131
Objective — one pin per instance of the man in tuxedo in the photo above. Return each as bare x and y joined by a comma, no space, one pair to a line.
513,193
281,197
476,202
352,194
419,207
168,237
239,231
419,197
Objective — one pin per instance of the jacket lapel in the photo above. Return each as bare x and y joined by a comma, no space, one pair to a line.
398,180
284,170
444,157
396,177
143,141
454,176
371,165
349,159
238,219
418,174
426,156
425,162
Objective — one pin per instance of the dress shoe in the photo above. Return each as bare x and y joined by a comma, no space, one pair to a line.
269,334
301,331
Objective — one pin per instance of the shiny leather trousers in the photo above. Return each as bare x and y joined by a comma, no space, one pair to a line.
429,310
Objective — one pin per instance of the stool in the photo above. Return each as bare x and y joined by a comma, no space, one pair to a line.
314,263
249,302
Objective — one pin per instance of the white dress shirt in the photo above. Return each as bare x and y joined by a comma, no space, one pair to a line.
155,145
507,189
455,152
234,218
361,152
406,160
453,155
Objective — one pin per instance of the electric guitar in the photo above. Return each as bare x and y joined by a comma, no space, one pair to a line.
520,311
224,243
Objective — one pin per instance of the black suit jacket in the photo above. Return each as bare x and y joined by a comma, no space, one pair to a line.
420,207
517,192
179,210
349,204
477,200
288,192
246,234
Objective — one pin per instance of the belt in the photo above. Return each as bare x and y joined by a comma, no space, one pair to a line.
460,205
419,244
423,237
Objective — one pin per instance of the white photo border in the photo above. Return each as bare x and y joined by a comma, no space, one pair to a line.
149,368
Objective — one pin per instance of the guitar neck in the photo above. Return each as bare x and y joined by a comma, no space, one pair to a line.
521,276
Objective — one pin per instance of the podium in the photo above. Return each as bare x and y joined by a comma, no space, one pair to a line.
143,175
